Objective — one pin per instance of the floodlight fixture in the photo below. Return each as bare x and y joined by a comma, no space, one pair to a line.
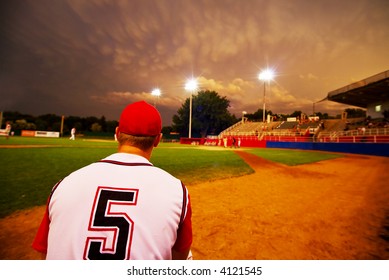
266,75
191,85
156,92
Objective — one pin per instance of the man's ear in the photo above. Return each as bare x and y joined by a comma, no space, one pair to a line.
157,140
117,132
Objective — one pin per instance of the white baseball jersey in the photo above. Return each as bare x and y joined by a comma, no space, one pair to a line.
121,207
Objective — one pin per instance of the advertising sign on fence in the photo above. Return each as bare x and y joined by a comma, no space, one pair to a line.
33,133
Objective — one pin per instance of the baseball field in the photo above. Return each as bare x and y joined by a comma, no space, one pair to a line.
248,203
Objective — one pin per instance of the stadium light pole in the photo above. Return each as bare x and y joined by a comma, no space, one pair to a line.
62,122
156,92
191,86
265,76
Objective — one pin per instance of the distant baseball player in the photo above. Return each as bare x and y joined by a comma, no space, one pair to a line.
8,128
121,207
73,134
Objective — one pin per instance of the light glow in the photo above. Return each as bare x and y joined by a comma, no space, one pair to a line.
266,75
156,92
191,85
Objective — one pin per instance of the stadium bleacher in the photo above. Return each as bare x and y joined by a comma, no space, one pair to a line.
365,94
332,130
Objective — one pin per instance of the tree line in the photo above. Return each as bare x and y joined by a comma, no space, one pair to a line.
52,122
210,116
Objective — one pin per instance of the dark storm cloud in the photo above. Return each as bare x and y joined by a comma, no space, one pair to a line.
93,57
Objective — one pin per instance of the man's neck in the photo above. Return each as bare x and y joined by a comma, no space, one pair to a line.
135,151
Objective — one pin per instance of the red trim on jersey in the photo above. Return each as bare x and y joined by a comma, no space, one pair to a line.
41,237
126,163
184,202
184,232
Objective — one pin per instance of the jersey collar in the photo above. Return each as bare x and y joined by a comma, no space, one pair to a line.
126,159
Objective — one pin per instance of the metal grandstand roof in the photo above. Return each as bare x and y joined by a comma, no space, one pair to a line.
374,89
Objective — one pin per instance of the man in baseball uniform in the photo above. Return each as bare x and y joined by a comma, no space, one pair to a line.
73,134
121,207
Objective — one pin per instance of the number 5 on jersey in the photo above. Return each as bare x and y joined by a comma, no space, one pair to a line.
105,222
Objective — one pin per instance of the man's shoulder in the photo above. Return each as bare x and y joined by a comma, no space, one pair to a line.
165,174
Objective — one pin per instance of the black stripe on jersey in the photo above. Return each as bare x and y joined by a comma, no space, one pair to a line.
54,188
126,163
184,202
51,194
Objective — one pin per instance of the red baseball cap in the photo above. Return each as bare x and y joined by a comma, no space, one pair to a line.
140,119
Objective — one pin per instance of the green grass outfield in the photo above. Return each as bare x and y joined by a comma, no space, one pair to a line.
28,173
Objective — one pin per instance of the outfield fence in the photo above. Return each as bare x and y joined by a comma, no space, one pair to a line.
358,144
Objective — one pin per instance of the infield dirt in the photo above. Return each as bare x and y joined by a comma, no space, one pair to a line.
330,210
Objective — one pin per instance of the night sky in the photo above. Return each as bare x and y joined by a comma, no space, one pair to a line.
92,57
